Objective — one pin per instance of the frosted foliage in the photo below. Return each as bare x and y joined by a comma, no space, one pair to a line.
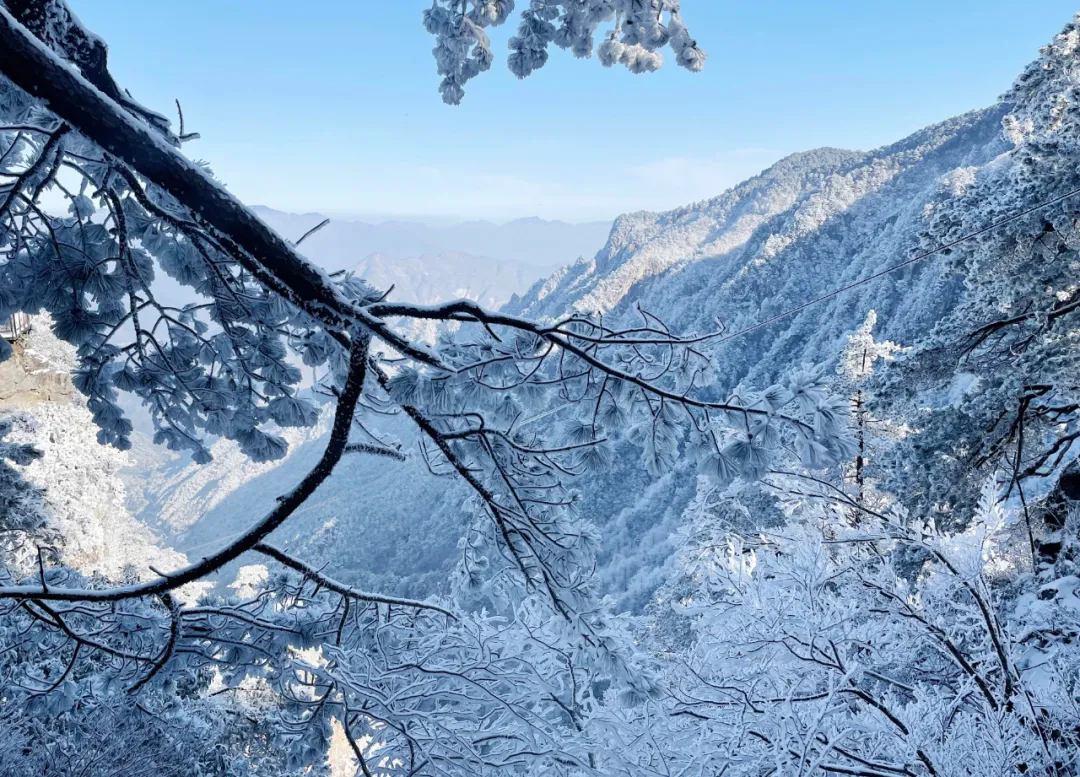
149,301
857,360
808,654
636,31
1014,333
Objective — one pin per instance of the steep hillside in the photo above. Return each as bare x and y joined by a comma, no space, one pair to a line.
813,223
379,523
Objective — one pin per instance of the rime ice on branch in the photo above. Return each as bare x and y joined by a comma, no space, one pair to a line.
639,29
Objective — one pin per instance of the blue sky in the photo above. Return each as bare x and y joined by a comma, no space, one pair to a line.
331,105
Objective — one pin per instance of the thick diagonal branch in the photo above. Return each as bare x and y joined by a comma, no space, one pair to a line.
33,67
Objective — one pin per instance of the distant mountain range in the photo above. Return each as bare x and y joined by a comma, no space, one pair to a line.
432,278
342,244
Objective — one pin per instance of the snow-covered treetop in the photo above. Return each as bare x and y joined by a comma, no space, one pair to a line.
639,29
857,360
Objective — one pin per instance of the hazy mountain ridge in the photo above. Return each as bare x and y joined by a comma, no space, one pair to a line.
730,250
644,244
342,243
478,260
432,278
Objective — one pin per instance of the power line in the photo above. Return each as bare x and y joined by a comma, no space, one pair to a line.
894,268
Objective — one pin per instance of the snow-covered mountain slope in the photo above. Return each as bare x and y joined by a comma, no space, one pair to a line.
813,223
84,498
386,525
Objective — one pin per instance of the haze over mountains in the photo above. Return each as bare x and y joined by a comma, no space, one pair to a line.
431,278
343,243
426,264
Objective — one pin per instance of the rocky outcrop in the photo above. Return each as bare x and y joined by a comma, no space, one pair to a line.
25,380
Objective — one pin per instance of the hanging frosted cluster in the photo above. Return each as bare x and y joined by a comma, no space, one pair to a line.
639,30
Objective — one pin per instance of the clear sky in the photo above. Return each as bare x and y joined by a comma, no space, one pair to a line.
331,105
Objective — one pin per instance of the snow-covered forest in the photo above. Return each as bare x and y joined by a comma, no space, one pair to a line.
779,483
